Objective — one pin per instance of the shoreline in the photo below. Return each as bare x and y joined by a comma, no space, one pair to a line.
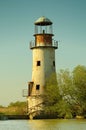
13,117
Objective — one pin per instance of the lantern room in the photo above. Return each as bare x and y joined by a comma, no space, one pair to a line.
43,26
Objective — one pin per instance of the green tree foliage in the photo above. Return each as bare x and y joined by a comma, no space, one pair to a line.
79,80
51,96
18,104
51,91
17,108
66,88
57,97
1,106
64,109
14,108
65,96
65,83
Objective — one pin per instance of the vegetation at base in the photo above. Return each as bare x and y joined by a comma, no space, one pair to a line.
14,108
66,96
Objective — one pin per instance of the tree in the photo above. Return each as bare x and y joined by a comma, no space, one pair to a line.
17,108
64,109
51,96
65,96
65,84
66,87
58,95
17,104
79,80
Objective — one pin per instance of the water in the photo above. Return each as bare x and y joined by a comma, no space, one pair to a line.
54,124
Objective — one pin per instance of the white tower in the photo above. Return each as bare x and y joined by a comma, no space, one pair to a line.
43,49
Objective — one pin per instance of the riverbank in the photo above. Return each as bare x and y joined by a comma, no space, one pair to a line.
13,117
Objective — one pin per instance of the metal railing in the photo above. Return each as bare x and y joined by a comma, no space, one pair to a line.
34,45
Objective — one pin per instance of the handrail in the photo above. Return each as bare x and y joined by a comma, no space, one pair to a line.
34,45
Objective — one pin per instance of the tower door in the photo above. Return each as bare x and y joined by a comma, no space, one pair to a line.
30,86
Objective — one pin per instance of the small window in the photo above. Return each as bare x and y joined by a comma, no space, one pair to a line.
37,87
38,63
53,63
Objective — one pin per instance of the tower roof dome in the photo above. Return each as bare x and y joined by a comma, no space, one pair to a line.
43,21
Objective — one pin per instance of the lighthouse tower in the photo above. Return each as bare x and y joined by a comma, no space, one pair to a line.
43,49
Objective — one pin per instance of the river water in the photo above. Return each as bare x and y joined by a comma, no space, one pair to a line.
54,124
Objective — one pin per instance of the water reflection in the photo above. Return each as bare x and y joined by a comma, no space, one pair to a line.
44,124
58,124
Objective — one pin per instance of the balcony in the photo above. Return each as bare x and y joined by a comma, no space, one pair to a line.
53,45
25,92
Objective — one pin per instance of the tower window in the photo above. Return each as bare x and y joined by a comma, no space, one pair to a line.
53,63
37,87
38,63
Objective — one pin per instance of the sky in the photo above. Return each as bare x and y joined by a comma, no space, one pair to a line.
17,19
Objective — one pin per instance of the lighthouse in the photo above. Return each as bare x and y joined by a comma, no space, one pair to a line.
43,65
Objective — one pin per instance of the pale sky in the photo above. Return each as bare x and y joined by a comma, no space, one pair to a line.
17,19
